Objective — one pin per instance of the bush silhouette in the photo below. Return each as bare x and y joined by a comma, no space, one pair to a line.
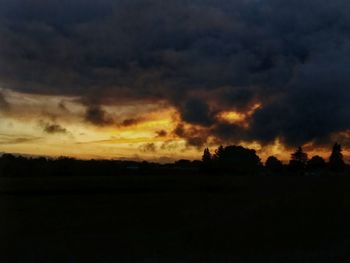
273,165
236,159
316,163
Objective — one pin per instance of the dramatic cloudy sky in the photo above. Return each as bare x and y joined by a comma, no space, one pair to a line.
160,80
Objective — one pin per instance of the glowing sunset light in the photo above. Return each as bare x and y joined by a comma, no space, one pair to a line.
232,116
212,77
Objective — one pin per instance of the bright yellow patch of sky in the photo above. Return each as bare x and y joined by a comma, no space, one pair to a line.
238,118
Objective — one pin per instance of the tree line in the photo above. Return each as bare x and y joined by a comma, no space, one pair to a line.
231,160
20,166
240,160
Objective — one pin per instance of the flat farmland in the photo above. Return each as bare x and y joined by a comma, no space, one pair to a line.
175,219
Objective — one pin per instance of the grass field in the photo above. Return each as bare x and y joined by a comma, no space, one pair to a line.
175,219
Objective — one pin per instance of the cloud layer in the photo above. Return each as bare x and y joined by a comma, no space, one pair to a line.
201,56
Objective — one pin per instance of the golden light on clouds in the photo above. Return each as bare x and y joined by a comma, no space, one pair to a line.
56,126
239,118
232,116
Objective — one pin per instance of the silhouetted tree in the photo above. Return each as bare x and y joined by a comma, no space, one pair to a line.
238,160
336,162
316,163
298,160
231,159
206,160
218,153
273,165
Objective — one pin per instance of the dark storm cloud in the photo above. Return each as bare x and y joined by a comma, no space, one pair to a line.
130,122
148,147
202,56
315,106
197,112
98,116
4,105
225,132
195,137
161,133
54,128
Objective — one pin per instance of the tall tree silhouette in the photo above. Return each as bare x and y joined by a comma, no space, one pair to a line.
206,160
219,153
298,160
336,162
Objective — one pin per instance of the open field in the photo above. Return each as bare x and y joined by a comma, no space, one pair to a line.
175,219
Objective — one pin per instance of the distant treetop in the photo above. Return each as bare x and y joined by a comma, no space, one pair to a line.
336,162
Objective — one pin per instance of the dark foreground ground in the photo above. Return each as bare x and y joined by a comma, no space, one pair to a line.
175,219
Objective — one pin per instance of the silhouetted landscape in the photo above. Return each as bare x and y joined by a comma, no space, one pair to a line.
231,160
228,207
186,131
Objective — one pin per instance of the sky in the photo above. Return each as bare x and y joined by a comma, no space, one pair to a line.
160,80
